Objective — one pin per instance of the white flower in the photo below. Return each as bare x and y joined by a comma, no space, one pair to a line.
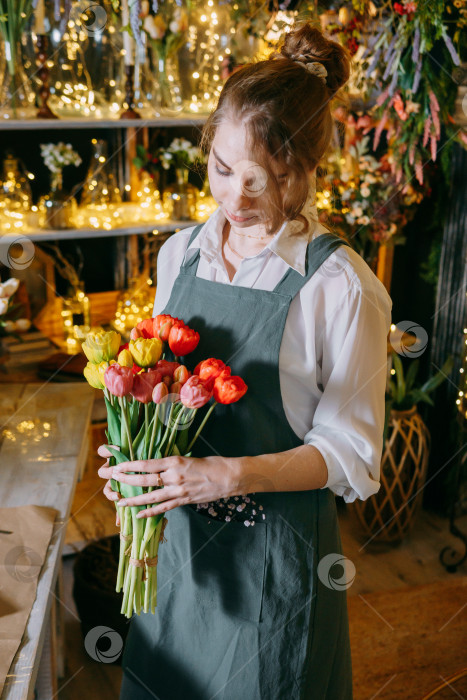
357,210
23,324
365,192
364,220
154,31
3,306
345,177
57,156
8,288
350,219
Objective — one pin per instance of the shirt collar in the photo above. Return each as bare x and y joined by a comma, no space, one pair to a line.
287,243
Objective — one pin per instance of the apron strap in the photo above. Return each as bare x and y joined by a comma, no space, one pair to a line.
191,266
318,251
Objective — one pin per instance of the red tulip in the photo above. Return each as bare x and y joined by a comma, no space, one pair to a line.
142,388
167,367
136,333
146,329
118,380
182,340
163,324
194,393
229,389
210,369
154,376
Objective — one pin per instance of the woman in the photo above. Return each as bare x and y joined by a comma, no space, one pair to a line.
251,599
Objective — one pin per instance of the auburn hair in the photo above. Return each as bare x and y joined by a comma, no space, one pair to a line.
287,114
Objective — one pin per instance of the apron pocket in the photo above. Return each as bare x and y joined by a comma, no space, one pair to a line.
227,565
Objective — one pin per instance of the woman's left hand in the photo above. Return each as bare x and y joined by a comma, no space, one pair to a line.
186,480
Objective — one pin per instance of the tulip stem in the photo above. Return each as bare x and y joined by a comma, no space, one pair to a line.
127,427
167,429
173,434
153,433
211,408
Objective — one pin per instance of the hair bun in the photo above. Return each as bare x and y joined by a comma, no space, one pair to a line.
308,41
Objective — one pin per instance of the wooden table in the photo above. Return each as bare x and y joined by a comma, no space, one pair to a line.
44,430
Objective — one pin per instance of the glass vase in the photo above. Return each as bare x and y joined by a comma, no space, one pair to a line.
167,76
15,195
147,97
149,198
86,45
17,98
58,209
179,199
76,318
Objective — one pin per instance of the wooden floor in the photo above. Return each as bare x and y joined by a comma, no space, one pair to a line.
377,567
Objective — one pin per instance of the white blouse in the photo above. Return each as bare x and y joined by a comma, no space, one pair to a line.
333,355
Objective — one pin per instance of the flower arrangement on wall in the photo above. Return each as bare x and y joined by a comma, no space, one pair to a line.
361,199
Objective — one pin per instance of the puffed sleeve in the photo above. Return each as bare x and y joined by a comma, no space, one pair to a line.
169,259
348,422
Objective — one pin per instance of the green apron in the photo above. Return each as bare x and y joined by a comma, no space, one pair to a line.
241,613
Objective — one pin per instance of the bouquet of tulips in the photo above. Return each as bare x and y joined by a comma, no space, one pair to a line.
151,404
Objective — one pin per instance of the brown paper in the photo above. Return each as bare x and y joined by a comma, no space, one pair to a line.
25,533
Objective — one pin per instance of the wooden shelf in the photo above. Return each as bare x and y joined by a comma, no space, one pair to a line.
56,124
73,233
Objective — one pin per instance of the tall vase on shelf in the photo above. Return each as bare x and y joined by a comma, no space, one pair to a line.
167,76
17,98
203,56
76,317
167,32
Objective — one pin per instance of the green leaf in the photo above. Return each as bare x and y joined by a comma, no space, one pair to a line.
439,377
134,415
127,490
411,374
120,457
399,377
113,423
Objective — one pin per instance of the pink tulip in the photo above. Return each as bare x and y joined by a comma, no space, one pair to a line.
160,393
181,374
118,379
194,393
175,388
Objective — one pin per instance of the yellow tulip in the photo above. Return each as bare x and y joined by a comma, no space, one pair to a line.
146,351
125,358
91,372
101,347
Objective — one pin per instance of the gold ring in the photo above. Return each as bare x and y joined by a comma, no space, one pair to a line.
160,483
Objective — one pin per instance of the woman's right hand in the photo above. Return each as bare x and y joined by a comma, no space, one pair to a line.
105,472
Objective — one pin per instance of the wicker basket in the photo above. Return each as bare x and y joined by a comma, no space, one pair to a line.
389,514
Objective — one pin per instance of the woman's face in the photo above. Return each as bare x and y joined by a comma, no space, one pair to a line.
237,183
